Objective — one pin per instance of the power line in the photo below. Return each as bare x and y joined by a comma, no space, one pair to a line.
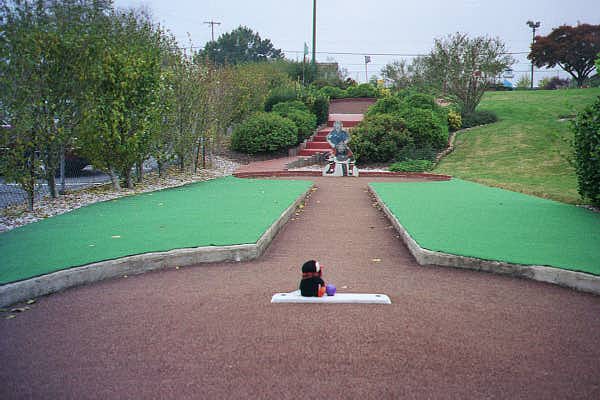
349,53
212,28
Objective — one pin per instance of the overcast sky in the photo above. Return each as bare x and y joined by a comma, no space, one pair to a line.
370,26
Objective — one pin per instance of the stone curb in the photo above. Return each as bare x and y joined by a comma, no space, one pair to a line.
16,292
561,277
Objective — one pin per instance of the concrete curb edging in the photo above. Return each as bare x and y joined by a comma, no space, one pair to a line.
16,292
561,277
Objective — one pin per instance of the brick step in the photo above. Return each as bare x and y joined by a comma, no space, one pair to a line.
319,139
311,152
318,145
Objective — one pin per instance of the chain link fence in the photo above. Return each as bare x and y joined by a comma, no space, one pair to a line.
75,175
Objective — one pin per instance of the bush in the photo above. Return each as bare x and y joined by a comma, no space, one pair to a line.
426,127
362,90
412,166
478,118
318,105
379,138
305,121
289,105
279,95
421,100
386,105
555,83
264,132
586,144
333,92
454,120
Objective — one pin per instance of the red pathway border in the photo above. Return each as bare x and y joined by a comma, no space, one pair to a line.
378,174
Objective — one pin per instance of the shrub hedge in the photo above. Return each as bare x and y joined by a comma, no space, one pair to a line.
379,138
586,144
478,118
305,121
279,94
264,132
289,105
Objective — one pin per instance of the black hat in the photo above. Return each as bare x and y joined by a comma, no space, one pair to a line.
311,266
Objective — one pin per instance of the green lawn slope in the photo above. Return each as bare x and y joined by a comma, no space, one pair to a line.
220,212
527,149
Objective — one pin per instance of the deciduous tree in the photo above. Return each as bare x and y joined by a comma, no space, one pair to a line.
124,91
239,46
572,48
461,66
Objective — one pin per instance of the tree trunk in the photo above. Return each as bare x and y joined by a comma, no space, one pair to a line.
181,163
114,179
51,178
128,180
140,170
160,168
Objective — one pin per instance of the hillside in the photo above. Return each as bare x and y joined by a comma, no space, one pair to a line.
527,150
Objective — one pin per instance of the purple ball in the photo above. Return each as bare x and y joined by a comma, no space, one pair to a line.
330,290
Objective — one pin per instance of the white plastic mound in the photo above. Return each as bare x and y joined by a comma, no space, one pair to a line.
354,298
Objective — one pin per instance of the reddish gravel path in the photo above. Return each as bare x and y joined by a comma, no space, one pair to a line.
209,332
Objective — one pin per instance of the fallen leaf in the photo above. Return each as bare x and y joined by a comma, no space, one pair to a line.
19,309
116,236
92,245
301,206
124,276
10,316
376,260
30,301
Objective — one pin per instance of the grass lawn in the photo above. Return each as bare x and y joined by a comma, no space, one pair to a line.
469,219
526,149
224,211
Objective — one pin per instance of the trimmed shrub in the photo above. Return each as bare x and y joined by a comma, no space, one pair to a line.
478,118
378,138
279,95
333,92
290,105
421,100
318,105
412,166
454,120
305,121
264,132
586,144
386,105
556,83
362,90
426,127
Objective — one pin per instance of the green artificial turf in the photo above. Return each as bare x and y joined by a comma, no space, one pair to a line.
219,212
528,149
473,220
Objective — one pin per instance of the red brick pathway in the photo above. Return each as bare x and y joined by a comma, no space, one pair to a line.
209,332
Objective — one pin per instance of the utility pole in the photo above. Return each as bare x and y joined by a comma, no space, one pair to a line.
212,28
533,26
314,48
